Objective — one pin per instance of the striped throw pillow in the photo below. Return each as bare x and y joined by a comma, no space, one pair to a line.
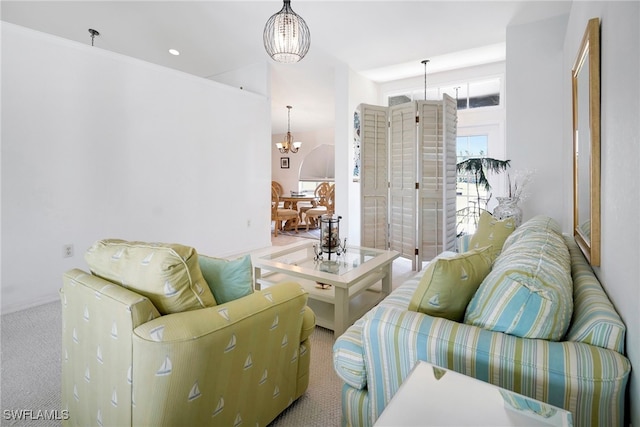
529,292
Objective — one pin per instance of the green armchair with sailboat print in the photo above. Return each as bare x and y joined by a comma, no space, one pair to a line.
158,335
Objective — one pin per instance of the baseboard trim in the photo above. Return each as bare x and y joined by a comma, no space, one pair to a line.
44,299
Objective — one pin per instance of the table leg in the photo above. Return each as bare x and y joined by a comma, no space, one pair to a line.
387,285
341,311
257,274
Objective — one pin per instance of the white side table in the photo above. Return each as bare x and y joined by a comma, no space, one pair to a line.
432,396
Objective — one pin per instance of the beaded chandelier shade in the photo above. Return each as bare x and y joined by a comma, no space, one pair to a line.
286,36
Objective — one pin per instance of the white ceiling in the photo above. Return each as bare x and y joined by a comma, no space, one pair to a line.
383,40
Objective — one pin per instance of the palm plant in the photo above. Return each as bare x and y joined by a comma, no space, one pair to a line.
479,167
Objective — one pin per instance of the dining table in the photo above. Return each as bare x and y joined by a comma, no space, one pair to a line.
291,202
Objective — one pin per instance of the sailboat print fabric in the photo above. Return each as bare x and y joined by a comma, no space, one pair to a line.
98,318
240,363
448,284
168,274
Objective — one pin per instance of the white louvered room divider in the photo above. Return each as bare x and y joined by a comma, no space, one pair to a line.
408,178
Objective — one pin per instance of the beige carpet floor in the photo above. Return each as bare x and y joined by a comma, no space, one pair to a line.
321,405
30,361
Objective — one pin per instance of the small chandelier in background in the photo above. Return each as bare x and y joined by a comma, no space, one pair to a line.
286,36
288,145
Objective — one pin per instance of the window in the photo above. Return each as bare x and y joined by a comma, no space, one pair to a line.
476,94
470,198
308,186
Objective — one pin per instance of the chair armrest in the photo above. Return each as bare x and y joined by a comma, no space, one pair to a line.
308,323
79,285
98,319
195,324
245,355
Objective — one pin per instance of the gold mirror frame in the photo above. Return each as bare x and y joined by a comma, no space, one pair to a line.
585,78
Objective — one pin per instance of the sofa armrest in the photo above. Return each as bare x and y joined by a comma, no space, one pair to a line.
588,381
242,358
348,356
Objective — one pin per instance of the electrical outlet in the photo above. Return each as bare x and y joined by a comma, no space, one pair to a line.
67,251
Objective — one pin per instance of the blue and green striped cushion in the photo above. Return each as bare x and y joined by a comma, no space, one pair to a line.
529,292
534,225
595,320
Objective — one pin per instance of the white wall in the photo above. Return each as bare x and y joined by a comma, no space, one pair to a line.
98,145
310,140
254,78
534,83
540,57
619,271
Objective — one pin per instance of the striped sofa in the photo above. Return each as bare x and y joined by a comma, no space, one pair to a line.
584,372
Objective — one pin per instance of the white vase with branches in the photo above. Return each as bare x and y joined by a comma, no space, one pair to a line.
509,206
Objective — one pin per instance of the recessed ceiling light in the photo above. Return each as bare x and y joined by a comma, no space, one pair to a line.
174,52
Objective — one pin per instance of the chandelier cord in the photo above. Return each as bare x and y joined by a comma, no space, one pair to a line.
288,145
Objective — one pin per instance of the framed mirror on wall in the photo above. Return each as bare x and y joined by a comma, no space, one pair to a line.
585,78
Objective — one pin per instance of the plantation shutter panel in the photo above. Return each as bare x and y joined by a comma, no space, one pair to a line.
402,183
451,174
408,178
374,181
437,170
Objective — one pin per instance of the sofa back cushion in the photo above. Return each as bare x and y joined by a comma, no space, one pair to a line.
529,292
537,224
595,320
448,284
167,274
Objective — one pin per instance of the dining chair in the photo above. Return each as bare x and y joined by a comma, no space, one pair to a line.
280,214
321,193
326,206
280,189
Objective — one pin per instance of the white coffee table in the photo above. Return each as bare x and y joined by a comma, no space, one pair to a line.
432,396
353,278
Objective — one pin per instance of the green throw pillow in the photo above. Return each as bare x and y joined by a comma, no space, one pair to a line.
448,284
166,273
227,279
492,232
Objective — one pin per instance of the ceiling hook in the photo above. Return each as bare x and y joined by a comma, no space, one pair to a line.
94,34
